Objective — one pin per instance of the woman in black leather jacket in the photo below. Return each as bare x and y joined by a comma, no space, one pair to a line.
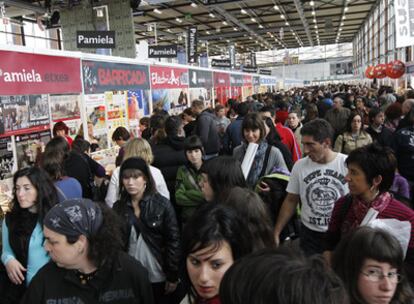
150,231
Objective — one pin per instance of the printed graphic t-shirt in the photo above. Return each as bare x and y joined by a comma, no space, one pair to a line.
319,187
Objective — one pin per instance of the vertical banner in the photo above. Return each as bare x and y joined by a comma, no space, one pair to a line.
404,23
253,59
192,44
232,55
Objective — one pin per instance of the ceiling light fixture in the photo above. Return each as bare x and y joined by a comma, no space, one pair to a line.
193,4
287,23
235,29
243,11
156,10
260,26
313,13
212,15
311,3
276,7
178,20
346,8
282,16
225,23
253,20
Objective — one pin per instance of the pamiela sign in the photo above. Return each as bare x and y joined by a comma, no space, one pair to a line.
95,39
162,51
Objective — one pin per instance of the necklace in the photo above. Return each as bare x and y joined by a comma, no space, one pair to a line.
85,277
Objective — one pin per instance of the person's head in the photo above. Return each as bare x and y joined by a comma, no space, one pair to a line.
371,168
219,175
174,126
376,116
220,111
293,120
272,135
407,105
56,151
317,138
60,129
79,232
253,128
213,238
281,276
410,117
242,109
135,179
197,106
268,111
120,136
194,150
139,147
80,145
354,123
187,115
312,111
254,213
144,123
370,263
337,102
393,112
360,103
34,191
157,127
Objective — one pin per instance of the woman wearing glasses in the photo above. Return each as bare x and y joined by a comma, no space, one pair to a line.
370,263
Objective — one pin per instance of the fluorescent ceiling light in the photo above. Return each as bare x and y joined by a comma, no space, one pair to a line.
178,20
276,7
156,10
243,11
212,15
253,20
194,4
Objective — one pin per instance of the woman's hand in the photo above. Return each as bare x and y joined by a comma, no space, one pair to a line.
15,271
170,287
263,187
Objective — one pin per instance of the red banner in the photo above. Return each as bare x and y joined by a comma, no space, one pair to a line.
247,81
221,80
168,78
22,73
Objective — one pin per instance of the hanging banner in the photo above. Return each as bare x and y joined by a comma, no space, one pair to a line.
201,79
265,72
162,51
221,79
23,73
99,77
249,69
23,114
232,55
267,81
221,63
168,78
236,80
253,59
404,23
192,44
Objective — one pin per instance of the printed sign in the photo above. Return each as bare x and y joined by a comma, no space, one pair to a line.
267,81
22,73
168,78
221,79
253,59
192,44
256,80
95,39
99,77
236,80
221,63
201,79
247,81
232,54
249,69
162,51
404,22
265,72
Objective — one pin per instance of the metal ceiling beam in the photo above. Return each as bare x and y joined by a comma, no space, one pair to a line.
25,5
302,17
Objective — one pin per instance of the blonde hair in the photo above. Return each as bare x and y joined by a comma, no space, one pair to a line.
139,147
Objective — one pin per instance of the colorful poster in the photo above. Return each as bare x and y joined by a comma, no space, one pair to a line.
138,107
100,77
168,78
200,79
96,113
23,114
6,158
29,148
201,94
116,111
247,86
65,107
24,73
173,101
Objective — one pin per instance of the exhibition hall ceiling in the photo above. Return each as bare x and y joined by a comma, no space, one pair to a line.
251,25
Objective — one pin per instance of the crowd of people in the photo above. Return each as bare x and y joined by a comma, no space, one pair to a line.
322,213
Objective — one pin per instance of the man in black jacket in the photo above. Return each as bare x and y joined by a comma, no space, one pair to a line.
206,128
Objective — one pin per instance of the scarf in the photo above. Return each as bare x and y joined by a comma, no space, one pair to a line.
359,209
214,300
258,163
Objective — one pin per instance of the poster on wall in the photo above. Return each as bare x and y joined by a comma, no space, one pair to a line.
100,77
66,108
6,158
169,89
96,114
138,107
201,84
23,114
116,107
29,147
256,84
236,83
247,89
221,87
404,27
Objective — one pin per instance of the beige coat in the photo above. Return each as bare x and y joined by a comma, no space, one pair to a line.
345,143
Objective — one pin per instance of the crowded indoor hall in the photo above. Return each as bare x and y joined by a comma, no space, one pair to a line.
206,152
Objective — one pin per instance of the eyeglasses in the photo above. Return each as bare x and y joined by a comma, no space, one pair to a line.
377,276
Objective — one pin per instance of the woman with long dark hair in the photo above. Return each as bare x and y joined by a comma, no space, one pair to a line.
22,232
